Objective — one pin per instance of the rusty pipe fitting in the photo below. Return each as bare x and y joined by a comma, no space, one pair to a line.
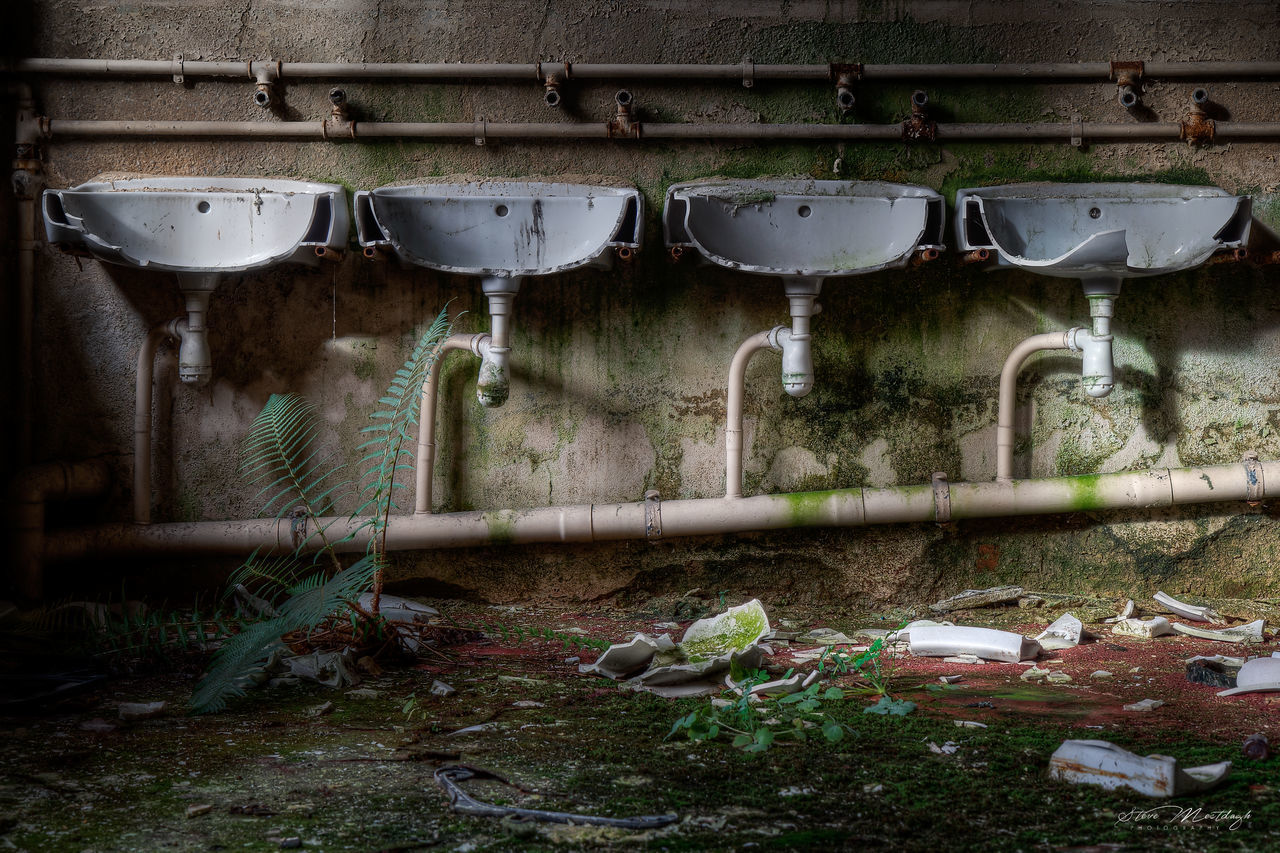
924,256
341,111
375,254
845,97
977,256
1231,257
265,74
324,253
623,123
624,253
1128,79
552,83
919,126
676,252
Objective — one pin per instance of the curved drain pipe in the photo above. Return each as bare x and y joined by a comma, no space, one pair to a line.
425,461
656,519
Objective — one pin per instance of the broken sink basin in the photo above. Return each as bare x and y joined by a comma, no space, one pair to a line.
807,228
1099,762
505,229
1101,230
198,224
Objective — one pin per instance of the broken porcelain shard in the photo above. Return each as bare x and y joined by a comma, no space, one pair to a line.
780,687
1125,613
1146,629
1248,633
1260,675
1186,611
977,598
986,643
693,666
1098,762
1144,705
903,634
1064,633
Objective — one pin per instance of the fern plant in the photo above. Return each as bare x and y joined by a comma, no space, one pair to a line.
299,481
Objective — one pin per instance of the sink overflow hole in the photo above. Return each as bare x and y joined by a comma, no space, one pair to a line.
804,211
1094,213
203,207
501,210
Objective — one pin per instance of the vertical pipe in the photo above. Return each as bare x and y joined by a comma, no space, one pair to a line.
737,390
142,421
425,461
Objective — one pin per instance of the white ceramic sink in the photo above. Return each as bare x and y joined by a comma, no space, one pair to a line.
199,228
198,224
501,231
507,229
807,228
1101,230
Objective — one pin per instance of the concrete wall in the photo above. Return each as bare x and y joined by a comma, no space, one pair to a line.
619,376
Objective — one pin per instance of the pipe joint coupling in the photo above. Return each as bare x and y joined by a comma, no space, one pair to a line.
797,359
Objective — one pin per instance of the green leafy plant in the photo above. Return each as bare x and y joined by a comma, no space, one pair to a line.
308,587
756,723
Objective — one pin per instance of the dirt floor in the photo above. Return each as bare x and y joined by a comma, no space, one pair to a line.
352,768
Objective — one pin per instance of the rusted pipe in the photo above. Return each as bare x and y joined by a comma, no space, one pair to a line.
29,493
316,130
648,71
977,256
27,181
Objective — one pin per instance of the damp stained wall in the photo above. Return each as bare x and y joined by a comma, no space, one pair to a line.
619,376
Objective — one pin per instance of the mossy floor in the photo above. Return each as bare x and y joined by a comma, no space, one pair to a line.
359,777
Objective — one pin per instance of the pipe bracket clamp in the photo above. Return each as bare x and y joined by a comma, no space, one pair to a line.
481,127
652,514
941,498
1254,487
748,72
1077,131
178,71
297,527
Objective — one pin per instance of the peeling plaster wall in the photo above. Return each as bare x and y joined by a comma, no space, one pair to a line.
619,376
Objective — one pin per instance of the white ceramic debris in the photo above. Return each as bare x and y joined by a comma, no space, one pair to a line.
1249,633
1186,611
694,665
1064,633
1260,675
1124,613
987,643
903,634
1144,705
1097,762
1145,629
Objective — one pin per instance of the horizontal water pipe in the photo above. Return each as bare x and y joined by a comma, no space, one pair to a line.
55,129
425,461
534,71
697,517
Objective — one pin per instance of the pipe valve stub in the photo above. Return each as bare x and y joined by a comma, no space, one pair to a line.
1128,80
